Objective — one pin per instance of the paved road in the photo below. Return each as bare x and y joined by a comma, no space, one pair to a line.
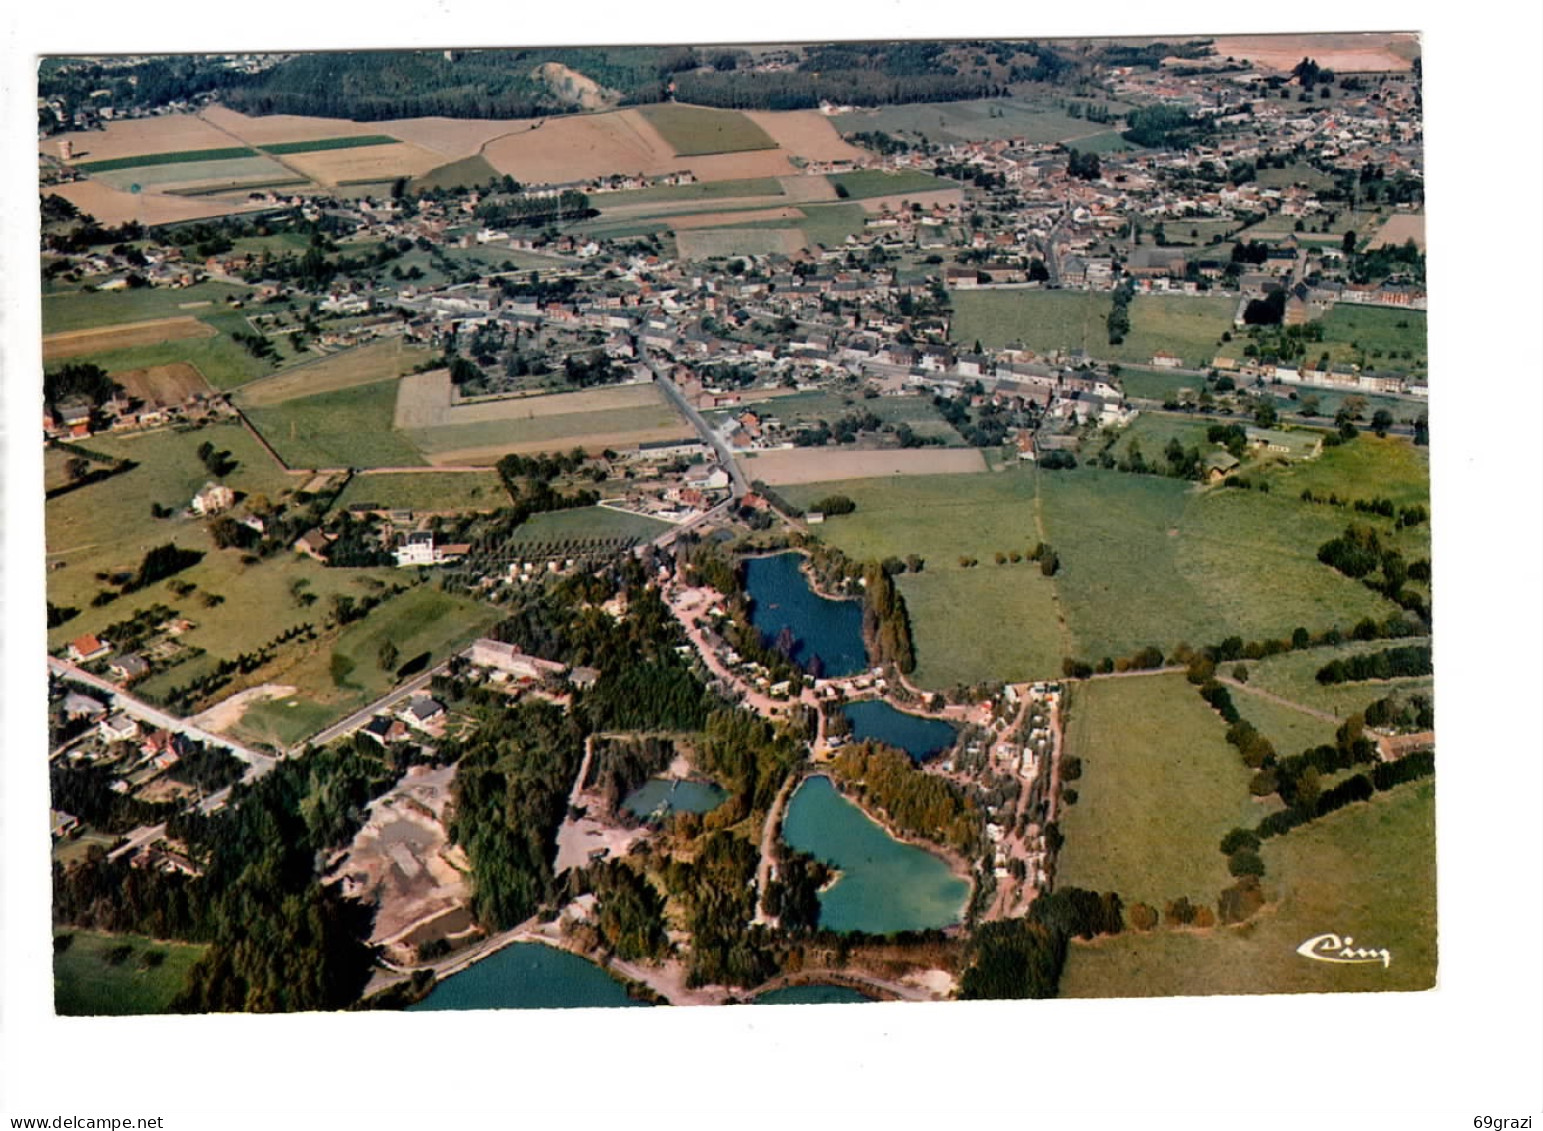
139,709
365,714
741,485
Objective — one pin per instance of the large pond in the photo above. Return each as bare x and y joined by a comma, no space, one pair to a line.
826,635
885,885
920,738
812,994
674,796
528,976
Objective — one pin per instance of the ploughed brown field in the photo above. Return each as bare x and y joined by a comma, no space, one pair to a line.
806,133
1340,51
163,384
74,343
112,207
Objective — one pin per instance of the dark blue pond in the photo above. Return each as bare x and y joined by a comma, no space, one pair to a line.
528,976
827,636
920,738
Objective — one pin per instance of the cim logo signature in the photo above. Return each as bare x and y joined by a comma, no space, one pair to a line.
1333,948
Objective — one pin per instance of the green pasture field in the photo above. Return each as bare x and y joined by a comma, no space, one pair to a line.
1368,871
986,622
986,119
107,527
1350,331
876,182
279,243
1040,320
1158,384
347,428
1107,141
221,360
361,365
468,172
587,523
562,430
702,190
1292,676
810,408
1393,468
827,224
232,172
85,310
694,131
1044,321
180,157
423,619
1198,233
1291,730
281,723
1153,433
1154,561
427,491
319,144
86,984
1405,410
1297,173
1160,786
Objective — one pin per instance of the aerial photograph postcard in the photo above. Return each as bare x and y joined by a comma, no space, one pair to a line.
816,522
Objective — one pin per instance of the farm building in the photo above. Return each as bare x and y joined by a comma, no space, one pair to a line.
213,498
1292,445
495,654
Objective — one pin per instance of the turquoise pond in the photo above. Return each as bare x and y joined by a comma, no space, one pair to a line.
920,738
827,636
528,976
885,885
675,796
813,994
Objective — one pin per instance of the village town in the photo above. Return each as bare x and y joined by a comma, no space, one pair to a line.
425,456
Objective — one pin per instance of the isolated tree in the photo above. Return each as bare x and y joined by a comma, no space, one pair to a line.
77,468
387,657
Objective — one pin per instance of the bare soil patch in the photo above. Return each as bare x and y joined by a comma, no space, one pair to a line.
558,150
74,343
1400,228
805,133
112,207
272,129
900,200
812,465
807,188
705,243
163,385
739,166
227,713
367,163
361,366
169,133
1341,51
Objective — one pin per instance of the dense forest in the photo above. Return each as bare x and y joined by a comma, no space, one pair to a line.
914,802
282,940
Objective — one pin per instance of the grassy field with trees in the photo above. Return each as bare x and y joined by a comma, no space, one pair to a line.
98,974
588,522
1367,871
1044,321
427,491
1153,800
1293,676
1151,561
